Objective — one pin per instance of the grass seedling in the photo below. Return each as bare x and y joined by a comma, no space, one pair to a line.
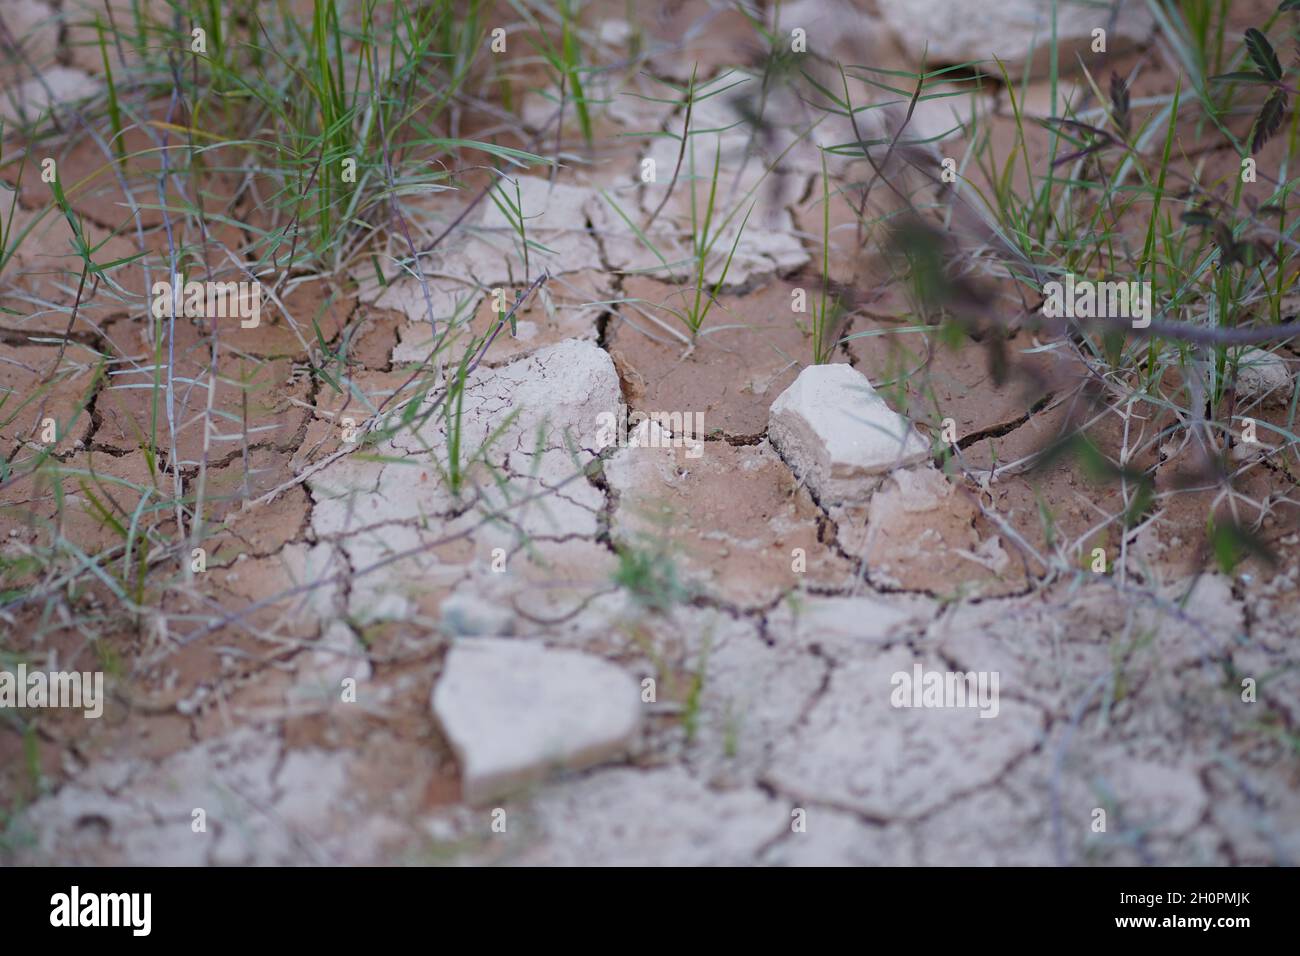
695,694
704,237
647,569
513,210
114,110
453,407
565,61
826,310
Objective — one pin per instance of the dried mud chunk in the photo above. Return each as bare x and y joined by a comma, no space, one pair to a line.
663,817
747,354
931,382
838,435
254,401
923,533
1015,31
734,517
514,711
858,751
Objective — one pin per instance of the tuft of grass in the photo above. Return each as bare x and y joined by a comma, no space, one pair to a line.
565,60
826,311
1115,200
695,694
326,124
647,569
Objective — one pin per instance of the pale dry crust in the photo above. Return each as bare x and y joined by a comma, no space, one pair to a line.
785,672
736,516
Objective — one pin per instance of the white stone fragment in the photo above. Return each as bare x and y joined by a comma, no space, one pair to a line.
467,615
1012,30
1263,375
513,711
55,86
837,433
554,225
34,26
615,32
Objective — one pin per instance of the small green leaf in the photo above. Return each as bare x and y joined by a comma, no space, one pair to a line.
1143,498
1232,543
1113,345
1269,120
1119,101
1239,78
1261,51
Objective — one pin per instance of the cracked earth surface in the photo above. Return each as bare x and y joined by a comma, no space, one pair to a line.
333,564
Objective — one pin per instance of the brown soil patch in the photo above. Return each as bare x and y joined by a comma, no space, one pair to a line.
749,350
735,515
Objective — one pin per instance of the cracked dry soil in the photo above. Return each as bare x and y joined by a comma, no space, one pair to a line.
299,690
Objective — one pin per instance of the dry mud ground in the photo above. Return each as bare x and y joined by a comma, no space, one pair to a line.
373,668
